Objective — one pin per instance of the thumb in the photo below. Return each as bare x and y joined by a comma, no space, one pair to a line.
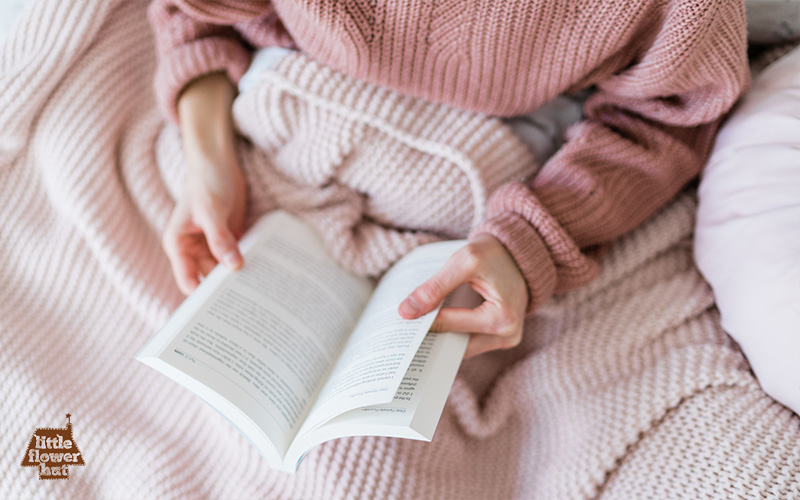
430,294
221,240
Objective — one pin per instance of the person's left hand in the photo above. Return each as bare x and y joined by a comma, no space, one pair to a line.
489,269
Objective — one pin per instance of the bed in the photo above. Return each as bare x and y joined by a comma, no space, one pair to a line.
627,388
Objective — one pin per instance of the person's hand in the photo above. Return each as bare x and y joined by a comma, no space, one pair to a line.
209,218
206,223
489,269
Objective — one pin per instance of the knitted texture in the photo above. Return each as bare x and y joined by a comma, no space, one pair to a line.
386,172
624,388
664,72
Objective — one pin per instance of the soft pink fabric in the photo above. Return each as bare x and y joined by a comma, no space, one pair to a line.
626,388
665,72
376,172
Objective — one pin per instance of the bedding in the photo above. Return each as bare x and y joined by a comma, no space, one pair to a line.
747,242
627,385
772,21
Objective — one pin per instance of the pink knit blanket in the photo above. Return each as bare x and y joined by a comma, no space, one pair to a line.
627,388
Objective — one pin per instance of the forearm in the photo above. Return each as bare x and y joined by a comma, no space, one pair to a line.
204,109
584,197
210,213
607,183
648,132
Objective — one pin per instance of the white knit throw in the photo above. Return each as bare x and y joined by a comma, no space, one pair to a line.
624,389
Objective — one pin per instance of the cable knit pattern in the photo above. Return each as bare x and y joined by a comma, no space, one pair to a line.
664,72
624,388
386,172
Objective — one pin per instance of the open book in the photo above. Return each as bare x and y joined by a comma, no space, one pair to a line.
295,351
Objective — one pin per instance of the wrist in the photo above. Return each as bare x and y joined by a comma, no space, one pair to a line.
205,115
527,250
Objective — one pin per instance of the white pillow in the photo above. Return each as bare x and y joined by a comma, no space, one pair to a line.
747,241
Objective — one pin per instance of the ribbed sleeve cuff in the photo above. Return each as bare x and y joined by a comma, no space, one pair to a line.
181,65
548,257
529,252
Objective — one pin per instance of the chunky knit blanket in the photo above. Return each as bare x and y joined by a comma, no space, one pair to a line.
624,389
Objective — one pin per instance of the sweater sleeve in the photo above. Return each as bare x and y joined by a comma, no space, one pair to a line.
194,38
649,130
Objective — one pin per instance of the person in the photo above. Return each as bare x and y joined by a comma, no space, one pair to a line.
661,76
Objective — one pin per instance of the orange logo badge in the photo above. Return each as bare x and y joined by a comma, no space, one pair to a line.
53,451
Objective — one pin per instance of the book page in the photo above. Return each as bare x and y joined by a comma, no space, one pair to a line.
419,400
413,413
417,406
382,345
265,337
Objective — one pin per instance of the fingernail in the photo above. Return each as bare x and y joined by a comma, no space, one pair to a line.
231,259
410,307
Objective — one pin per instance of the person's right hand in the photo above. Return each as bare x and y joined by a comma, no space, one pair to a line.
209,218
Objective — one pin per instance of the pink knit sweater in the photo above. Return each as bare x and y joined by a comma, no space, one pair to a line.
664,73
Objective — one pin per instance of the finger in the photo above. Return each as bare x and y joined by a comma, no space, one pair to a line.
206,264
183,266
221,240
482,319
185,271
479,344
458,269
